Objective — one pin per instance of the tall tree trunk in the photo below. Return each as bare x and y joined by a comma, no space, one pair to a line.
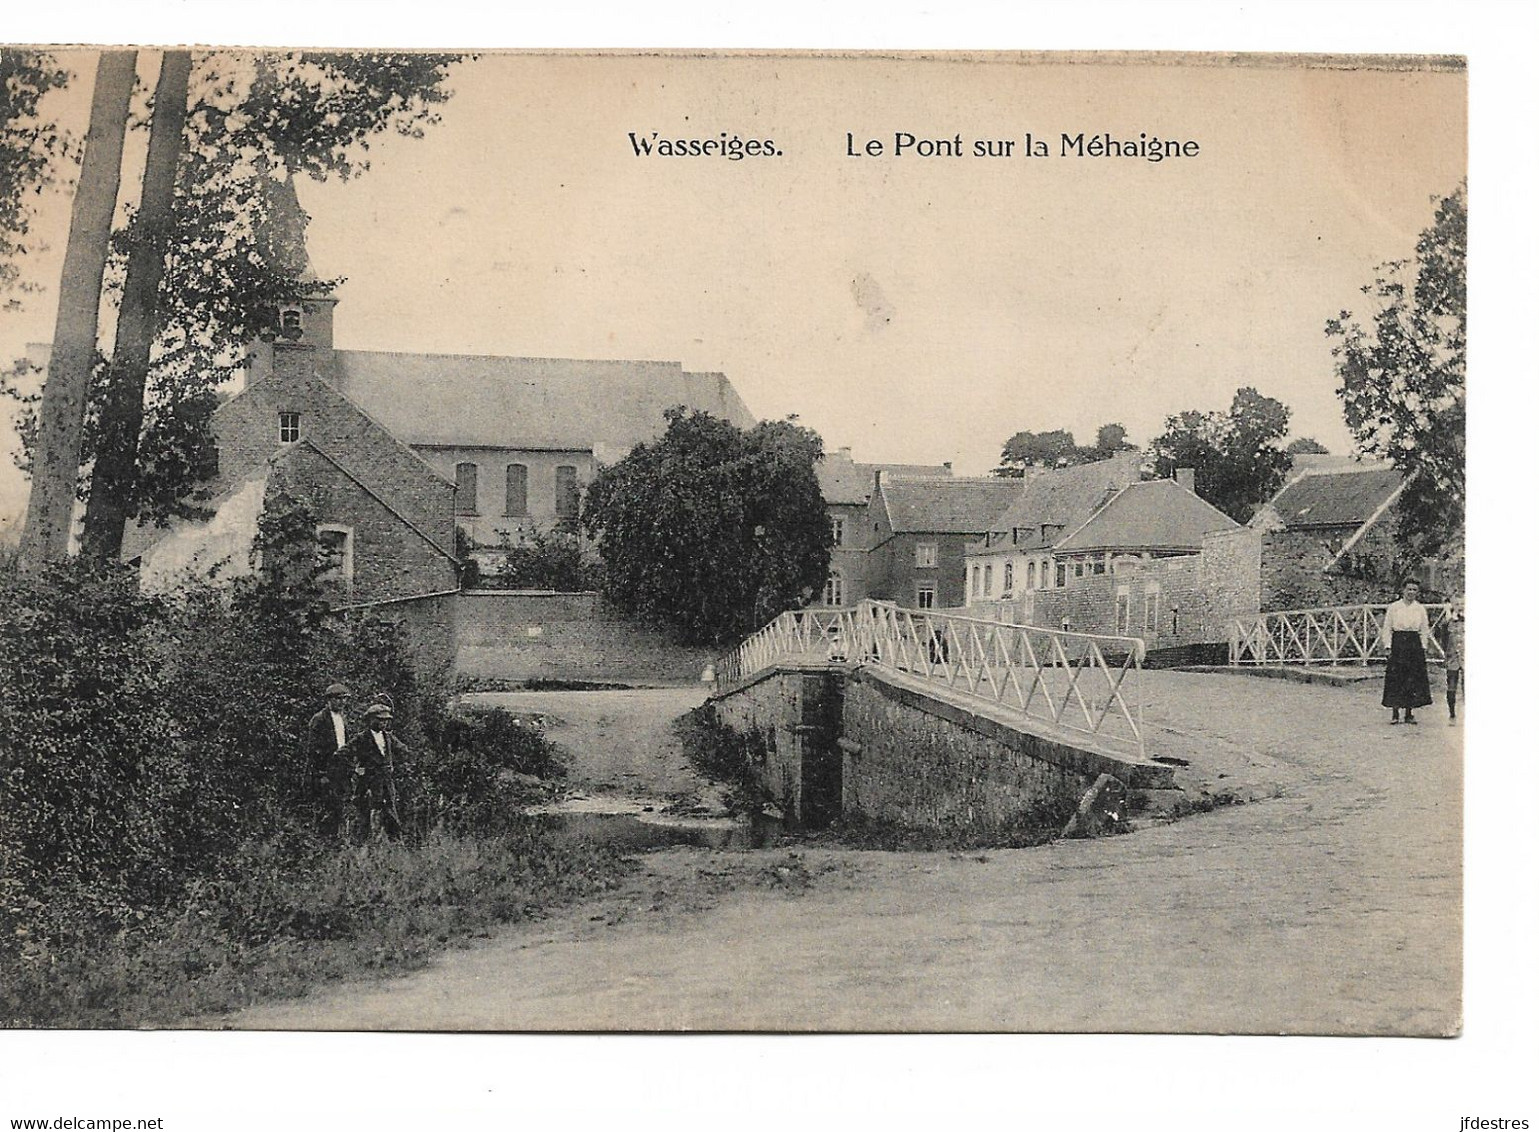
115,474
61,416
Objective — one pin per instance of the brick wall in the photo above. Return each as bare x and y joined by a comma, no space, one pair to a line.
389,558
430,624
527,636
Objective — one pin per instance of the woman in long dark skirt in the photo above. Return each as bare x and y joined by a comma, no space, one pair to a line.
1405,636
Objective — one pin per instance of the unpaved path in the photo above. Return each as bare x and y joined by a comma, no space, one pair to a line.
1330,904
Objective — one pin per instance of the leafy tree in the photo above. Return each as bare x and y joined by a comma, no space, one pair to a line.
1237,456
1306,445
62,409
1402,378
227,253
712,530
29,145
232,247
1057,449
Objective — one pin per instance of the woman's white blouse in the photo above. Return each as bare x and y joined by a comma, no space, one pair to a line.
1406,616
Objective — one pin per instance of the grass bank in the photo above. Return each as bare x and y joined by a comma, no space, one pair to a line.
284,918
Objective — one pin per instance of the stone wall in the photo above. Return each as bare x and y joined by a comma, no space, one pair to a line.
1293,574
430,624
798,714
525,635
925,762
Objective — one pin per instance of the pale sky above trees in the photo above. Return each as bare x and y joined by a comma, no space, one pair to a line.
917,309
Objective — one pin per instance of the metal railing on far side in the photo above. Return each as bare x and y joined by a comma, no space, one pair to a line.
1335,636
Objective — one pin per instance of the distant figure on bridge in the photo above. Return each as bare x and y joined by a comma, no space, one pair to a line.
1451,637
1405,635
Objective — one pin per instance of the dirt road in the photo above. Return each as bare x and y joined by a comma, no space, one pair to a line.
1328,904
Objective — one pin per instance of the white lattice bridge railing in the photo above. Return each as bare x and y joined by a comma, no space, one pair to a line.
1082,682
1339,636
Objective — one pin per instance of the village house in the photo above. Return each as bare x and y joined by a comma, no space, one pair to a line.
847,489
920,531
1015,556
1330,534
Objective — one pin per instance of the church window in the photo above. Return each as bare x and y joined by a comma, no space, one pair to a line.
288,428
465,488
1009,577
567,499
518,490
290,323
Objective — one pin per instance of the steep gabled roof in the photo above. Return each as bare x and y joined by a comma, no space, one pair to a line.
1156,515
946,506
1336,497
457,400
1060,498
845,481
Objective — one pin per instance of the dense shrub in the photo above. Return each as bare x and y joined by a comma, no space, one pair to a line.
723,755
543,560
151,761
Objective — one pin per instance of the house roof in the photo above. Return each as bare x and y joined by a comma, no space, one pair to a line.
1335,497
845,481
1152,515
1061,498
946,506
457,400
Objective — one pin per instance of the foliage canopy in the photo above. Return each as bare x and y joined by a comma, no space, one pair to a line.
712,530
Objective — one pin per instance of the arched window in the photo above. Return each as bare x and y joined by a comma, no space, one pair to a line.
567,499
465,488
833,590
517,491
1009,576
988,581
1031,575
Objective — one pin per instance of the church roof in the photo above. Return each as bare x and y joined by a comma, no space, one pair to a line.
1152,515
470,400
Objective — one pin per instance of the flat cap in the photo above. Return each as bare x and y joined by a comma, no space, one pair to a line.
338,690
382,710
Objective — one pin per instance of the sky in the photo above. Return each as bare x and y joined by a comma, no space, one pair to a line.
916,309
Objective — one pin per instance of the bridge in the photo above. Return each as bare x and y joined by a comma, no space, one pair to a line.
941,721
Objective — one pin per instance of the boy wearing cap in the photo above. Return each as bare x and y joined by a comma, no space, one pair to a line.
380,763
326,777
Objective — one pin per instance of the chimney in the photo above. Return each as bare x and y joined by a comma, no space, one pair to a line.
947,465
876,482
1187,478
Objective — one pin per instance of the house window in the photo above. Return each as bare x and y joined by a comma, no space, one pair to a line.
1009,576
1079,569
517,491
1098,566
1061,578
838,526
1031,575
924,555
977,580
334,555
1151,608
1123,615
924,595
988,581
833,590
567,499
465,488
288,428
1175,621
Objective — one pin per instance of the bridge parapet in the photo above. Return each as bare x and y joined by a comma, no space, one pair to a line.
1084,683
